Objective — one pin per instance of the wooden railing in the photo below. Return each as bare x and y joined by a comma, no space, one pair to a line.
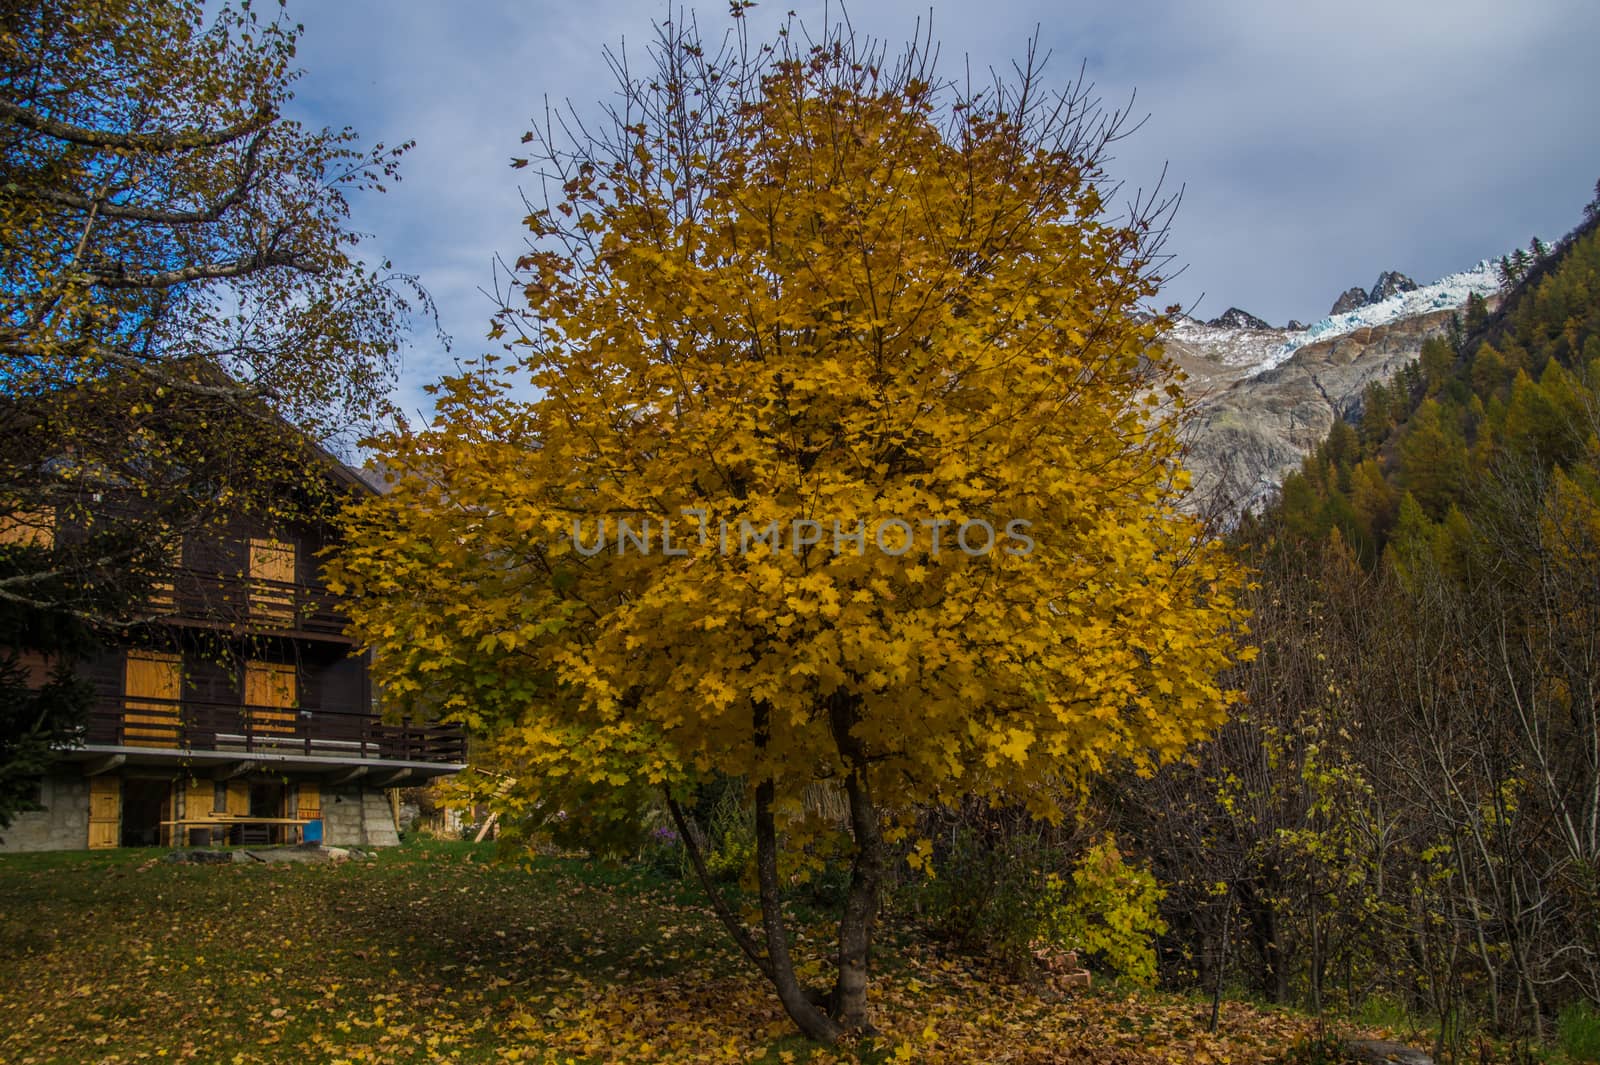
320,732
249,603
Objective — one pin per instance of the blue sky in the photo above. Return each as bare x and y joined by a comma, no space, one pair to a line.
1318,142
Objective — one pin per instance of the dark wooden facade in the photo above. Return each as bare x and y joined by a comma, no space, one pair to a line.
224,621
242,694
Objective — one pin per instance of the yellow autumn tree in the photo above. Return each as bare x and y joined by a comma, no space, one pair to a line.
847,460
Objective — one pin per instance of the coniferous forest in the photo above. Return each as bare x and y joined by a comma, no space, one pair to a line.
1406,812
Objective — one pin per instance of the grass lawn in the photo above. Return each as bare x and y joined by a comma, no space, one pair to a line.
434,951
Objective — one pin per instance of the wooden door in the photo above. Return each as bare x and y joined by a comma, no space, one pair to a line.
270,697
238,798
105,811
308,801
152,687
272,582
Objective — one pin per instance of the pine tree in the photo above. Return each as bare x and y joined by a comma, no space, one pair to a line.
1477,312
1536,428
1489,371
36,721
1373,499
1341,449
1377,413
1433,455
1455,544
1410,550
1438,358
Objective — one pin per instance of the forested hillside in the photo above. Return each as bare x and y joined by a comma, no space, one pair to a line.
1518,391
1407,811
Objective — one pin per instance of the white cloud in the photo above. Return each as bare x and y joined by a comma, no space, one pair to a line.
1320,142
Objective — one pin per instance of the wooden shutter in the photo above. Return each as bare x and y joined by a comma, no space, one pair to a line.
270,697
29,527
272,582
105,811
163,594
239,798
152,687
308,804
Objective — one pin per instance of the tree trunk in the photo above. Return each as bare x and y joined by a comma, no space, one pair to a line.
849,1004
1222,965
796,1003
1256,897
719,905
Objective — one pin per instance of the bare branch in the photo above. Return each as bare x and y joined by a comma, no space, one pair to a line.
207,271
177,141
135,213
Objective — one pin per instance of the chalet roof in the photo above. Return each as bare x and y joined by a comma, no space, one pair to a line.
336,469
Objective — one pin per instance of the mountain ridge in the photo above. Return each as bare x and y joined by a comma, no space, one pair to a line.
1262,398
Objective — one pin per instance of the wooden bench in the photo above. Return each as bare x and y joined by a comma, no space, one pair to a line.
214,820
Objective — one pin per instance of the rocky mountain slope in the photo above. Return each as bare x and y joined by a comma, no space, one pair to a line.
1261,398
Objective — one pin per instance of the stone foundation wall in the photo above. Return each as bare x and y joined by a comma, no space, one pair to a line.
63,824
356,816
352,816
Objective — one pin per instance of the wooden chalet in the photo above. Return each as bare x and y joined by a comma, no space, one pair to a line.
242,714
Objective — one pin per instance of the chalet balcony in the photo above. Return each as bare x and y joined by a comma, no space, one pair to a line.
195,730
250,604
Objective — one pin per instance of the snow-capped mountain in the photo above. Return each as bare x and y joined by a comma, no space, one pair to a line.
1394,304
1234,318
1262,397
1226,345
